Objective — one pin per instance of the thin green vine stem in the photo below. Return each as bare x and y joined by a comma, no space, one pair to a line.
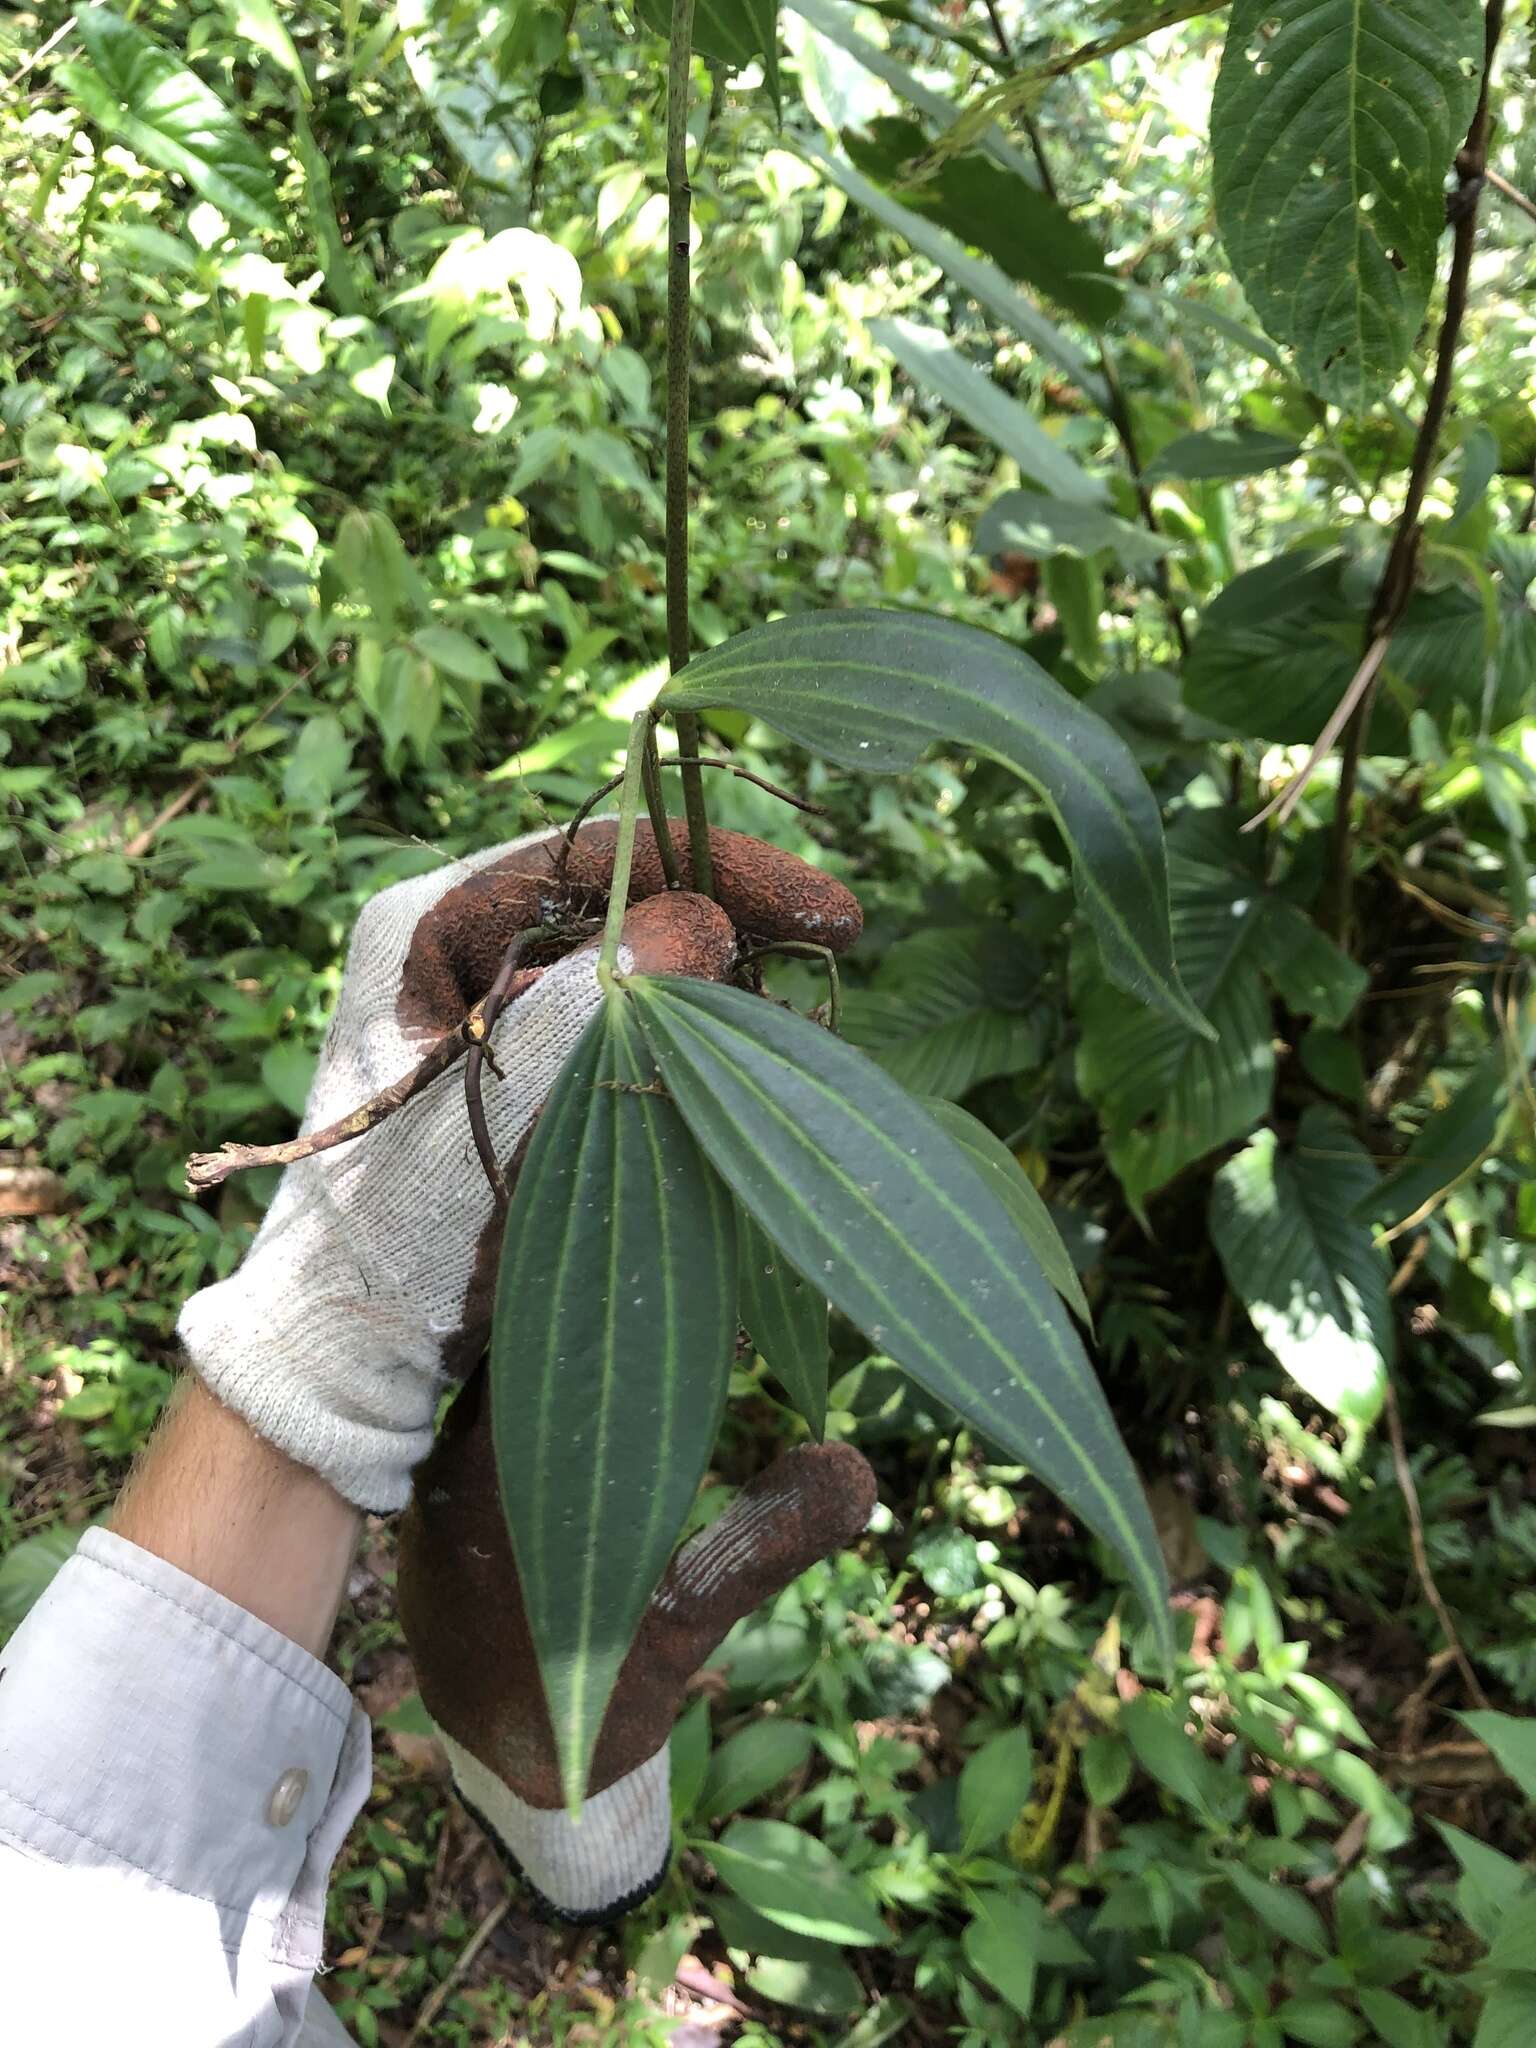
624,850
679,290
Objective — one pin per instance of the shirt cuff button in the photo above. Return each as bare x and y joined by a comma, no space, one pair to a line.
287,1797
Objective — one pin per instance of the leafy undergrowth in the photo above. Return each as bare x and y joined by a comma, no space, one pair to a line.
1019,1819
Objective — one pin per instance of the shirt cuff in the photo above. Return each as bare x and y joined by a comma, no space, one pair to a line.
152,1726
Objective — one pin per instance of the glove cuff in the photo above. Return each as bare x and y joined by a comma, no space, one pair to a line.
585,1872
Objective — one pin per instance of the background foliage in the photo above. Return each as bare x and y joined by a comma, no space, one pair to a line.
332,348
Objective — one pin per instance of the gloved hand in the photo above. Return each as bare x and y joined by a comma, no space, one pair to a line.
462,1608
370,1282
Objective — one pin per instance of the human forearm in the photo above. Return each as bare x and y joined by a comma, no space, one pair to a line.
211,1497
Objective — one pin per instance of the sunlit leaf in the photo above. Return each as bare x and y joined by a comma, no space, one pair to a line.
872,689
1307,1272
1333,128
862,1188
615,1318
142,93
795,1881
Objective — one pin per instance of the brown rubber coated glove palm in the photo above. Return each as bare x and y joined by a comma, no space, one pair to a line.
464,1619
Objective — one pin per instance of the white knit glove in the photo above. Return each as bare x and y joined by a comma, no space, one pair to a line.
462,1609
369,1284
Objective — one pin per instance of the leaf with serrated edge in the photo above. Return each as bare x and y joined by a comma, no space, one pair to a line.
871,689
862,1188
610,1356
1333,126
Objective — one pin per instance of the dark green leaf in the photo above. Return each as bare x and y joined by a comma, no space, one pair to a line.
1221,453
1002,1945
994,1786
823,1985
1310,973
941,1014
142,93
1512,1738
1019,1196
1026,233
735,32
752,1762
1448,1144
1024,523
795,1881
872,689
861,1187
1333,127
786,1318
1282,1911
615,1319
1308,1274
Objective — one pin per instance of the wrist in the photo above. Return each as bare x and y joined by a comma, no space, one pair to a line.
214,1499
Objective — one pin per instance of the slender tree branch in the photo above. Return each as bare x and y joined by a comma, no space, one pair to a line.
808,950
679,289
1510,192
1398,574
490,1008
1421,1564
656,809
589,804
785,796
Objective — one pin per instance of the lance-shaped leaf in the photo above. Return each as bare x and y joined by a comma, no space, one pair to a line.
1019,1196
1333,126
863,1188
142,93
872,689
786,1318
615,1321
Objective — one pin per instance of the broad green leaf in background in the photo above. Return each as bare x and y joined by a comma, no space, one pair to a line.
1333,128
993,1788
1019,1196
786,1318
1508,2017
932,361
28,1569
1307,1272
795,1881
1285,1912
733,32
1219,454
1447,1145
615,1320
1512,1738
1165,1094
1025,232
752,1762
143,94
1001,1942
872,689
464,97
983,280
948,1008
820,1984
862,1187
1309,971
1024,523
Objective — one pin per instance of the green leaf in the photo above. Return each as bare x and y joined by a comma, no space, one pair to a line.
931,361
1317,2022
755,1759
1491,1884
1106,1767
1219,454
286,1072
466,100
1169,1753
1512,1739
795,1881
992,208
455,654
872,689
1166,1095
1019,1196
27,1570
944,1011
1514,1946
993,1788
741,1927
1309,971
1333,127
983,280
1283,1911
688,1757
143,94
1312,1280
1001,1942
734,32
786,1319
861,1187
1447,1145
1024,523
262,26
615,1321
1508,2017
823,1984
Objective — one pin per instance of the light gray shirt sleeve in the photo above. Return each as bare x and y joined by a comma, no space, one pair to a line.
175,1780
